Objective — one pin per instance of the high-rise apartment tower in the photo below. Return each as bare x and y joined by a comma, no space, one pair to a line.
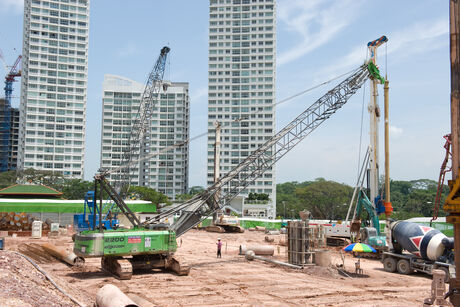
53,86
169,125
9,119
242,70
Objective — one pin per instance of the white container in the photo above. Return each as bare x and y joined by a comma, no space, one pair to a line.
54,227
37,229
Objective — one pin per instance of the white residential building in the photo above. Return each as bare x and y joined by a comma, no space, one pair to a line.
53,86
242,70
169,125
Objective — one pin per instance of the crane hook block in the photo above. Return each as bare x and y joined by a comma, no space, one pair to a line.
375,72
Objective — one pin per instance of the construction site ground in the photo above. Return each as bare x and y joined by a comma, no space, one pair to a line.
227,281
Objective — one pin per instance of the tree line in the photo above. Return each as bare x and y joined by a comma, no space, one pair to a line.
73,188
327,199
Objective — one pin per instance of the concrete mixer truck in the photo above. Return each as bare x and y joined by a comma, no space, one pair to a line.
414,247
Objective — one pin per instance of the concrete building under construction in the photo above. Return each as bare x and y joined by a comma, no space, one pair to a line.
9,135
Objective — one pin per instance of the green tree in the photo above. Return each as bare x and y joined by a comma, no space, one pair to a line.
415,198
325,199
149,194
183,197
48,178
7,179
286,199
262,196
76,188
195,190
408,198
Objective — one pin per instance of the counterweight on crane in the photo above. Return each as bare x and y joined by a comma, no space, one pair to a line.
152,244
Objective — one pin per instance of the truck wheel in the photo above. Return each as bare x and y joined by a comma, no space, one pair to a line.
404,267
446,270
389,265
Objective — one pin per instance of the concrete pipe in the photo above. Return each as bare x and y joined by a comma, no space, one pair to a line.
269,239
273,232
250,255
260,228
111,296
267,250
63,254
140,301
323,257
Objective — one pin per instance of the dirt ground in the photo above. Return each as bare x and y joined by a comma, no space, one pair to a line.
233,281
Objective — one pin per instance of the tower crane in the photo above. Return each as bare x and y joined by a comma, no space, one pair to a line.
13,72
152,244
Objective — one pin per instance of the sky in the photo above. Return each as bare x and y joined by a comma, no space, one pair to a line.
317,40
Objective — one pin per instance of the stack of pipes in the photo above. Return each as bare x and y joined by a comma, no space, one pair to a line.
16,221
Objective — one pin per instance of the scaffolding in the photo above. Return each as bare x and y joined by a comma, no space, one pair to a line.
303,240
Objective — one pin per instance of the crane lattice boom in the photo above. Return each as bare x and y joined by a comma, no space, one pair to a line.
266,155
140,124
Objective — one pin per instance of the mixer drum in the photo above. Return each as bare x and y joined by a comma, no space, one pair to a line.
423,241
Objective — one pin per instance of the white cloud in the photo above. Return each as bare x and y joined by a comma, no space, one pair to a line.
417,38
17,6
395,132
315,22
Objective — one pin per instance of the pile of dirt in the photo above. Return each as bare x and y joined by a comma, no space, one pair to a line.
21,284
326,272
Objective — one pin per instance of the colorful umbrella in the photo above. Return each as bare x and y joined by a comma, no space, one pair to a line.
359,247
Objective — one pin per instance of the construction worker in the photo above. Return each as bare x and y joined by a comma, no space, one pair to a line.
219,248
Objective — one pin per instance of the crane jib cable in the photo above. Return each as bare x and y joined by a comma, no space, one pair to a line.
263,158
163,150
166,149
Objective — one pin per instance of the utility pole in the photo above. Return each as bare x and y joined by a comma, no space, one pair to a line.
217,124
452,205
